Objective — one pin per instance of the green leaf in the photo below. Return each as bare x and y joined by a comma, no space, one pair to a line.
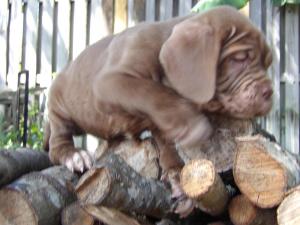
205,5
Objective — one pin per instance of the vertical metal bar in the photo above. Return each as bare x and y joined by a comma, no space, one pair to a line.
18,93
24,138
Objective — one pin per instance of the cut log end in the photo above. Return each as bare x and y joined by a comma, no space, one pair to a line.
197,177
288,213
16,210
258,175
94,181
241,210
200,181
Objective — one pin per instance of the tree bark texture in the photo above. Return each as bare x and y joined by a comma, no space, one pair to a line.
112,183
141,156
14,163
37,198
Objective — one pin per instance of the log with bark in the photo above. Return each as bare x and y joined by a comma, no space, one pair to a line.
111,216
38,197
243,212
74,214
288,212
220,148
112,183
141,156
200,181
14,163
263,171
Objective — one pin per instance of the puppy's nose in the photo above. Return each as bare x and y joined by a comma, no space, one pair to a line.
267,93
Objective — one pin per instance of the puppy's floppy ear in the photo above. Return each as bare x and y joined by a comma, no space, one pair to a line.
190,57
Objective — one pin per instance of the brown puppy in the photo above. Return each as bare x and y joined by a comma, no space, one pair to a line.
163,77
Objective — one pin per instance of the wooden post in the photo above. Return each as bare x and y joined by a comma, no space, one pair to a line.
136,12
200,181
291,78
63,36
120,11
263,171
15,48
243,212
4,14
45,76
273,39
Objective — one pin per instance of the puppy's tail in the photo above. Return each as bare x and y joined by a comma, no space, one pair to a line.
47,133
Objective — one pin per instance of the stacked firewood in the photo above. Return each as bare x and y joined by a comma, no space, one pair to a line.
240,176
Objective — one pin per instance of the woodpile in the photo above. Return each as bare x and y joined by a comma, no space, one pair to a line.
241,177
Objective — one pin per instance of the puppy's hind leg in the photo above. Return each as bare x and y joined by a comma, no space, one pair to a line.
61,146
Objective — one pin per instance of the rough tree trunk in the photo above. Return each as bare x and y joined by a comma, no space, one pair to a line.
263,171
243,212
200,181
288,213
37,198
14,163
113,183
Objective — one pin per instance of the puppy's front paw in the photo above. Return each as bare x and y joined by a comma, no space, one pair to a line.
184,205
78,161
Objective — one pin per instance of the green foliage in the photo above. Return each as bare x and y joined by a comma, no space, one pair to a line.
283,2
205,5
10,136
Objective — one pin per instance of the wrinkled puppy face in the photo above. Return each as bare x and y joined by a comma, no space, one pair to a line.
218,60
242,85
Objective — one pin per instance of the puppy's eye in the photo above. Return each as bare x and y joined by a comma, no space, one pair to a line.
240,56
